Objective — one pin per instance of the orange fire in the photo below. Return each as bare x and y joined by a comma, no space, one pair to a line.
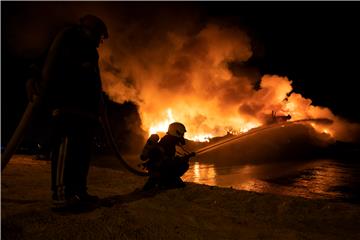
196,134
161,127
188,78
206,119
199,136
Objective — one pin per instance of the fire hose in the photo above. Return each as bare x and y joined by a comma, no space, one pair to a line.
24,124
205,149
324,121
111,140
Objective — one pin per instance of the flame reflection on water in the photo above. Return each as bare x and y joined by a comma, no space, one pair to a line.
318,179
201,174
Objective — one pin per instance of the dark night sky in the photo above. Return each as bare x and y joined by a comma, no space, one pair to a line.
315,44
318,48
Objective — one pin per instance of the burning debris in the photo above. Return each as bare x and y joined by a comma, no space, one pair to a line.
277,119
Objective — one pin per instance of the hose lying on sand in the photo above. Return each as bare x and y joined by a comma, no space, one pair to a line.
111,140
24,124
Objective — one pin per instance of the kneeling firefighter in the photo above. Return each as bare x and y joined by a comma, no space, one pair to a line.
164,167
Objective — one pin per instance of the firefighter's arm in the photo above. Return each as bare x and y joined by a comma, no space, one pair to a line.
188,156
192,154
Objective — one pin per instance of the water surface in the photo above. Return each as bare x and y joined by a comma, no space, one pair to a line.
315,179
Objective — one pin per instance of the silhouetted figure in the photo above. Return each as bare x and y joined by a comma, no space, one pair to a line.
278,118
165,168
71,90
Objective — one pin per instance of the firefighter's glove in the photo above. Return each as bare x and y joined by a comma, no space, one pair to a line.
192,154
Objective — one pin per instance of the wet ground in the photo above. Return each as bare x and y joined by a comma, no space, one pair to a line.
315,179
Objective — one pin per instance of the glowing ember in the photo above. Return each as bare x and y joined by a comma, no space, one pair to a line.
327,131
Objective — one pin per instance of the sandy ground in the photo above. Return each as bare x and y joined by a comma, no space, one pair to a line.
195,212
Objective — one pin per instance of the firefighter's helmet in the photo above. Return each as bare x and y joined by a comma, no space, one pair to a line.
95,24
176,129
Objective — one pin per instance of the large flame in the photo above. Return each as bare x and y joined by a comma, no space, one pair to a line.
203,124
161,127
200,135
201,79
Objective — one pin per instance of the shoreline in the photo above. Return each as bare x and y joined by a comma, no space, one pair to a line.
195,212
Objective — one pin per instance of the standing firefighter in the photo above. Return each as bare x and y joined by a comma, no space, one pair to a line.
71,90
165,168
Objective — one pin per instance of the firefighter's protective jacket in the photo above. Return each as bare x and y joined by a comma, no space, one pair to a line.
70,78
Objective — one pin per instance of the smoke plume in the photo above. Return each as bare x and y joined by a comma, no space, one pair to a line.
175,63
187,68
